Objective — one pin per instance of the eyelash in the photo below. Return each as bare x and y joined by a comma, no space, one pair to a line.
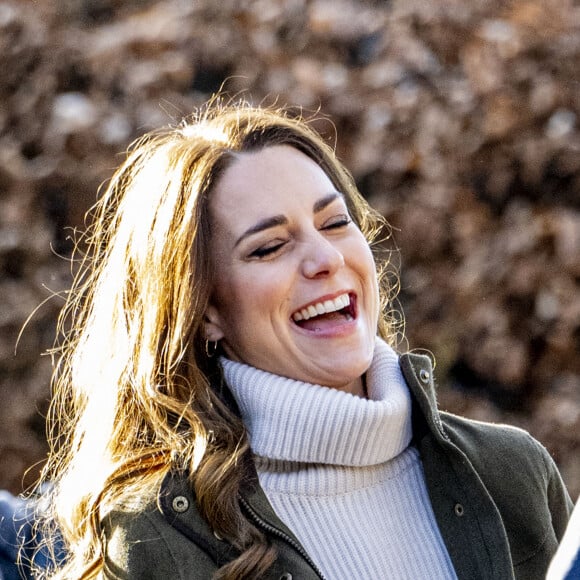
341,223
268,250
263,252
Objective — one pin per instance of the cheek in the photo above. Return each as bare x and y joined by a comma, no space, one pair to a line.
366,260
248,294
369,273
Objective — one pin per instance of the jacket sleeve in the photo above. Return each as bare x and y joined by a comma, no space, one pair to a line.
522,480
141,546
559,500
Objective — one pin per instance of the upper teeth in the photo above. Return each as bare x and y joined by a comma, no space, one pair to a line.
325,307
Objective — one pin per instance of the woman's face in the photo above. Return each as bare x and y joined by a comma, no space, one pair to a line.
296,292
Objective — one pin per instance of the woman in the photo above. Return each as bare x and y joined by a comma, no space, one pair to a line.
228,402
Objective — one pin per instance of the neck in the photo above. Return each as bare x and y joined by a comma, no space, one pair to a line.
356,388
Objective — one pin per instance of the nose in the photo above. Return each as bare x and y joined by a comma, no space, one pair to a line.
321,258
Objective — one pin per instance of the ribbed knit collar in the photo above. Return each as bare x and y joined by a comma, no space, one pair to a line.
291,420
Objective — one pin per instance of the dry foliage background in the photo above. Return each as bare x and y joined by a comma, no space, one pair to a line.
459,120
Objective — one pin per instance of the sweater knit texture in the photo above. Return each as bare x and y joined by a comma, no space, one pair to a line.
340,472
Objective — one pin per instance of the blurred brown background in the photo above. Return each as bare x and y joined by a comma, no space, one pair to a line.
460,122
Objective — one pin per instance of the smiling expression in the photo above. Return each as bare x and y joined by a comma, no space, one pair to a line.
295,288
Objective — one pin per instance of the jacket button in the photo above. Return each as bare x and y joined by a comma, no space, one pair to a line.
286,576
424,376
180,504
459,511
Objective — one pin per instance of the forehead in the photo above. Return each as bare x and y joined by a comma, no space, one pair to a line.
274,180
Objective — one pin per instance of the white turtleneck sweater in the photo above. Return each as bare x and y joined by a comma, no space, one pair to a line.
340,473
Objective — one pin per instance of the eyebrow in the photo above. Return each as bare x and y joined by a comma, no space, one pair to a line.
280,220
326,201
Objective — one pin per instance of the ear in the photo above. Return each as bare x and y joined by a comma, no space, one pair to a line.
213,327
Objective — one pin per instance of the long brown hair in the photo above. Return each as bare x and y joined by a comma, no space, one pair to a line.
133,394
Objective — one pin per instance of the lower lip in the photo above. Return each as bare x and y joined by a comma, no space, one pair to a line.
341,329
338,330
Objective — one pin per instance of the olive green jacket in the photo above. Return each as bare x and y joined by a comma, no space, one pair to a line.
498,499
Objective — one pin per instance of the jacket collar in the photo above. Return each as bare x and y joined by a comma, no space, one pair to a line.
177,500
418,372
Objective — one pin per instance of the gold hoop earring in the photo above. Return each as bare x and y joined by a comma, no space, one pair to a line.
211,348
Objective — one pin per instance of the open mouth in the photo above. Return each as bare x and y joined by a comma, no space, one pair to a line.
328,313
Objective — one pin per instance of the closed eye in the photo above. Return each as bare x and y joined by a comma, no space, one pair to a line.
336,222
267,250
